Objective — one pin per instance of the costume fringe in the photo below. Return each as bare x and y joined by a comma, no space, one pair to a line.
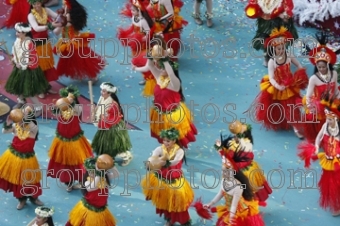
13,167
80,215
175,196
19,12
180,119
70,153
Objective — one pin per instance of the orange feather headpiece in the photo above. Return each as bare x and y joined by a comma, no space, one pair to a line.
278,36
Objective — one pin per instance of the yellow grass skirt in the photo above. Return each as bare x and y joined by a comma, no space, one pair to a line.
70,153
14,169
45,54
180,119
175,196
149,87
82,216
277,94
327,164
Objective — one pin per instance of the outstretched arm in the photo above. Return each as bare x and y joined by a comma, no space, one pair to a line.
310,90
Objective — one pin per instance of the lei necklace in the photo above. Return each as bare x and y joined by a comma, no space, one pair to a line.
41,20
172,151
101,184
22,133
164,82
67,114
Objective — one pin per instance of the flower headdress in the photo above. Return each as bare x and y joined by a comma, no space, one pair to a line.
109,87
43,211
278,36
171,134
31,2
322,52
20,28
64,92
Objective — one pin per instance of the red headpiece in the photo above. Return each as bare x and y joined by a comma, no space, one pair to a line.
228,155
278,37
322,53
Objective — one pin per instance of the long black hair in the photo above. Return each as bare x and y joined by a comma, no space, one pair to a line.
238,153
115,98
248,192
50,221
145,15
78,15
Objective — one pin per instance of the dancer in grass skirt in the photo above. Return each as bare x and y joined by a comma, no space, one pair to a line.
27,79
323,83
19,167
76,59
69,148
92,209
169,109
280,89
240,208
112,137
41,20
137,37
166,186
18,14
239,147
328,139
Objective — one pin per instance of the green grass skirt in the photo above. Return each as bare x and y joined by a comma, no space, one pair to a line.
265,27
114,141
28,83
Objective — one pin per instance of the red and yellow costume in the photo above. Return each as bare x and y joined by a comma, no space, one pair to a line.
20,10
170,111
249,167
328,139
247,213
172,25
269,9
137,37
76,59
19,167
168,189
43,45
271,101
316,119
92,208
69,149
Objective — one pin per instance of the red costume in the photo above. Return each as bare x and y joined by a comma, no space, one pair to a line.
269,9
20,10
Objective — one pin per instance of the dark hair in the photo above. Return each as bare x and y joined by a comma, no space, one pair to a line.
50,221
238,155
26,25
248,193
78,15
115,98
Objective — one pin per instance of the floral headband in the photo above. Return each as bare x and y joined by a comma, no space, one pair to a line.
31,2
43,211
19,28
108,87
171,134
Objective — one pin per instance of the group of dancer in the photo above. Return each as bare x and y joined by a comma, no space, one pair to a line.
73,158
279,106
